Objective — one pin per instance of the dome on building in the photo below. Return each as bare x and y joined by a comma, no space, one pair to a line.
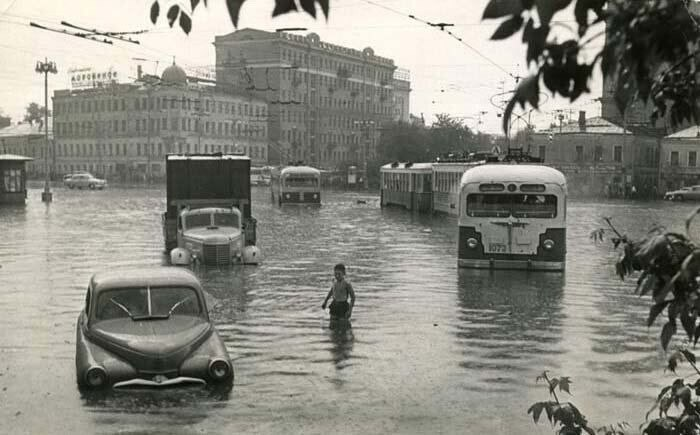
174,75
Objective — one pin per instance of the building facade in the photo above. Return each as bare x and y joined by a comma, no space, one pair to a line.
327,103
123,131
679,162
29,139
600,158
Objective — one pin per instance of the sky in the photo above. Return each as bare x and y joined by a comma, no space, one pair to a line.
447,76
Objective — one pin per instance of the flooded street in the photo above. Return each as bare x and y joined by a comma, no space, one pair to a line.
432,348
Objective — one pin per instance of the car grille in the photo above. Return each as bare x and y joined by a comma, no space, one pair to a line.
217,254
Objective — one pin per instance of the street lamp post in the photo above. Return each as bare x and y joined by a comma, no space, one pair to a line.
45,68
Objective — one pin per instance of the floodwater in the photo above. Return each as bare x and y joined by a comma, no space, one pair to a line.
432,348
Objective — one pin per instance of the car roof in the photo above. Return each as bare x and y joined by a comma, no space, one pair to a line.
154,277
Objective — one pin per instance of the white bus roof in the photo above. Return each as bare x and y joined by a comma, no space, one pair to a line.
401,167
513,173
207,157
451,166
299,170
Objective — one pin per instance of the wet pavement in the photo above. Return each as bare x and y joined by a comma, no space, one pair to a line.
432,348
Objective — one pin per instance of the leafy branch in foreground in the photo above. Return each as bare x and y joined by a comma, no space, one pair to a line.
565,415
669,263
176,12
650,51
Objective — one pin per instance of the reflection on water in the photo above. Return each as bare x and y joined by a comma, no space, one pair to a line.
432,348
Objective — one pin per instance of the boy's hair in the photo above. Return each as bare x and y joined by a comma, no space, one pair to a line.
340,267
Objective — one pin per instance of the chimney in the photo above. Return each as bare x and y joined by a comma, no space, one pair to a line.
582,120
139,72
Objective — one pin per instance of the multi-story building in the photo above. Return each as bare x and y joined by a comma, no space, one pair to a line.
29,140
327,103
599,157
679,163
123,131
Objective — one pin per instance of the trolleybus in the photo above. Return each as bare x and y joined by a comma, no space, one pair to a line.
512,216
296,185
447,177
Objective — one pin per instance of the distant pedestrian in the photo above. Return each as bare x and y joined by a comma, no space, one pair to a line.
340,291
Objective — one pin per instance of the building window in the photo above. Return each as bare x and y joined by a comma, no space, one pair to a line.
674,158
617,153
13,180
692,158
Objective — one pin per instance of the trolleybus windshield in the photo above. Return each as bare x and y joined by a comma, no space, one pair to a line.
516,205
298,181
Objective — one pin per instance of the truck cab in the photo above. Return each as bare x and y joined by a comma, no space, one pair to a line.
212,235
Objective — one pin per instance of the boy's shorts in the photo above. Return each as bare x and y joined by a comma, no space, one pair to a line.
339,309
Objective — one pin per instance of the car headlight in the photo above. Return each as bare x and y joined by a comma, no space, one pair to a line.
548,244
219,369
472,242
96,377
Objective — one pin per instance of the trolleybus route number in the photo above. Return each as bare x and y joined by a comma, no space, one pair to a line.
497,247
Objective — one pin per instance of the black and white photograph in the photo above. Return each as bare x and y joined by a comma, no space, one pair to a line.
350,217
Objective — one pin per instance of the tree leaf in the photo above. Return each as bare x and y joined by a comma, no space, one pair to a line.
185,23
173,12
194,4
234,8
688,320
324,6
309,6
536,410
553,385
547,8
689,356
283,7
564,384
155,11
666,333
508,27
502,8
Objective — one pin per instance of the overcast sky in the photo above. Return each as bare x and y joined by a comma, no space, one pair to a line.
447,76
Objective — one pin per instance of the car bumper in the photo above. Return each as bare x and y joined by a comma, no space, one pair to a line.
158,383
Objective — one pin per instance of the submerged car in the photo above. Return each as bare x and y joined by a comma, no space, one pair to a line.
148,328
684,193
84,181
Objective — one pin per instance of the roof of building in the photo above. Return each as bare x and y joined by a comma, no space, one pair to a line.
688,133
14,157
174,75
598,125
27,129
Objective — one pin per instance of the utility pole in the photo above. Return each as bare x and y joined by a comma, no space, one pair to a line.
45,68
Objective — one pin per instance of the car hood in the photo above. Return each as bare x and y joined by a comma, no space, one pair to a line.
153,345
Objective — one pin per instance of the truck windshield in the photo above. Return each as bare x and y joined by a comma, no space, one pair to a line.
197,220
226,220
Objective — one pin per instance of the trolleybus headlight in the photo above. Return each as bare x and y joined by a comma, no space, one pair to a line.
286,196
219,369
96,377
315,195
548,244
471,242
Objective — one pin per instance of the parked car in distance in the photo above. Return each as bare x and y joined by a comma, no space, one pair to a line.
84,180
684,193
148,328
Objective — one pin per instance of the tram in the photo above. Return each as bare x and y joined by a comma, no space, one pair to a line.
447,178
512,216
408,185
296,185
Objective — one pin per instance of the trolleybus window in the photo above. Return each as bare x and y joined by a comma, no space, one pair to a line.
300,182
516,205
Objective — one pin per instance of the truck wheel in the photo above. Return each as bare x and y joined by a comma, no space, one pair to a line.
679,198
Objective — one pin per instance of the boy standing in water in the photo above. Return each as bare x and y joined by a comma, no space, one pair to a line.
340,291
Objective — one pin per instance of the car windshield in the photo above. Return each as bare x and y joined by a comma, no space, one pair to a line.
142,303
226,220
197,220
516,205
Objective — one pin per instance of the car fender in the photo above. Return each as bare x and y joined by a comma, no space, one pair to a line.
197,363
